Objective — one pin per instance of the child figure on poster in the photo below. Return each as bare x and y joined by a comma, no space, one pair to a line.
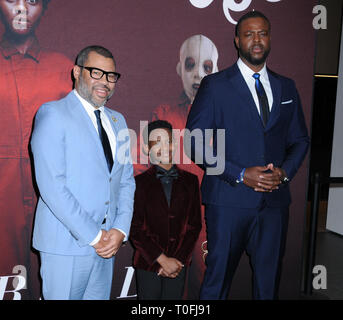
166,220
198,57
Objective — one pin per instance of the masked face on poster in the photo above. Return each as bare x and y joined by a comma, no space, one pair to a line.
198,58
21,17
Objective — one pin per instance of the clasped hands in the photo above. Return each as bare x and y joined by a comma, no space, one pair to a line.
264,179
109,243
170,267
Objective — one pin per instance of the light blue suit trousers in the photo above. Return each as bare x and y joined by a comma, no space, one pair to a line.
84,277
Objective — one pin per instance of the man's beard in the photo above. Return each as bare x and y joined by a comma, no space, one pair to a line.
87,94
254,61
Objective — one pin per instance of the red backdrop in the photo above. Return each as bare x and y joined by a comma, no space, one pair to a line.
145,38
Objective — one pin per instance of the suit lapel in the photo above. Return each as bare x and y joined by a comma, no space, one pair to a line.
244,93
81,112
242,89
277,90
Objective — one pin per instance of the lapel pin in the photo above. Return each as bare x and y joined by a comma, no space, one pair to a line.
114,119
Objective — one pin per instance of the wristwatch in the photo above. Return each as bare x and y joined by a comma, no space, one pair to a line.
241,177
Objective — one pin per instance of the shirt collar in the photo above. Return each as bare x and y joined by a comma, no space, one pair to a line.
89,108
8,50
248,73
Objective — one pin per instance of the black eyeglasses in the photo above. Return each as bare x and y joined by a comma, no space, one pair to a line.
97,74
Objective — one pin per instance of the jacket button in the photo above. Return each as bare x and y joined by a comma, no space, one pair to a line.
110,179
107,202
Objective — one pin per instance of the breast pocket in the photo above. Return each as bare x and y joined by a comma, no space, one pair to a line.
286,102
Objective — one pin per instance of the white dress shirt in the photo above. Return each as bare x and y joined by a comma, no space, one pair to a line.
247,74
105,121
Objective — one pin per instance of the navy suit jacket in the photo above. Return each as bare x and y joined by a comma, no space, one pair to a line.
224,101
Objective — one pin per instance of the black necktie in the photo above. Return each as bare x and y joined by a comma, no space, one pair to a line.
262,99
104,140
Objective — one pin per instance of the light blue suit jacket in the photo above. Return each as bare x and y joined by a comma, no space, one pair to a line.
76,188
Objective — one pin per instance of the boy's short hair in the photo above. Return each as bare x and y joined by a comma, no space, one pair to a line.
157,124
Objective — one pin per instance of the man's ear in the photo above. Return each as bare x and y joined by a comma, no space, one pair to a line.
237,42
76,72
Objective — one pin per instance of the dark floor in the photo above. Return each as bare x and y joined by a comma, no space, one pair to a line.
329,253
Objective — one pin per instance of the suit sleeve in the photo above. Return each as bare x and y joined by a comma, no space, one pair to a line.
193,226
297,140
202,116
48,148
142,239
127,185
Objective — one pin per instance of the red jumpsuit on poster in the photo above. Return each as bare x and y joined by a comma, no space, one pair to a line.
26,82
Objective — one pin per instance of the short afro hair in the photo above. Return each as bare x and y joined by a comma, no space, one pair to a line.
83,54
248,15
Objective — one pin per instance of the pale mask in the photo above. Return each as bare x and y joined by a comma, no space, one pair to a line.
198,58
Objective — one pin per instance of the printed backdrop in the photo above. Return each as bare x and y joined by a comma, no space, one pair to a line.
150,41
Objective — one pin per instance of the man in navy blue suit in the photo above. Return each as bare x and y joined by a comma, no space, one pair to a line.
266,140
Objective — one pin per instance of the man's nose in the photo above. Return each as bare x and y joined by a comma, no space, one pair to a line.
21,7
257,37
103,80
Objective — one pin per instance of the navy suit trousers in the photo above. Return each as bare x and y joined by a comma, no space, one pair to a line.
261,232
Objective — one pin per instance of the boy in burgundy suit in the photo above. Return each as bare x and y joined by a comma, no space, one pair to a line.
166,220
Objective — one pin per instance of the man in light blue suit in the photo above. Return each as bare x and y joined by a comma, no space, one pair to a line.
85,179
266,140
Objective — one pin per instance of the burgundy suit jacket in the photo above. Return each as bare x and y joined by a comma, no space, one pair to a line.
157,228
